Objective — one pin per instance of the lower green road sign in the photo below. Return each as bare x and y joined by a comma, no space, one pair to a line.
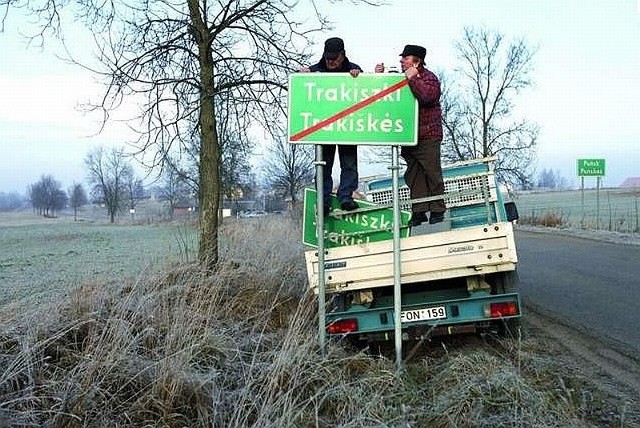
355,228
591,168
336,108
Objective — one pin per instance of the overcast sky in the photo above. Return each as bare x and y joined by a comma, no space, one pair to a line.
586,97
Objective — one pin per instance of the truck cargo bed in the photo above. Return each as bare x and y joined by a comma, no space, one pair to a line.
453,253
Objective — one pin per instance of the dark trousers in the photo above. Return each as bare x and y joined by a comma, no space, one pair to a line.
424,174
348,155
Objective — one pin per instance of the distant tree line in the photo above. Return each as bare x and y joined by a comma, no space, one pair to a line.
11,201
47,197
112,182
548,179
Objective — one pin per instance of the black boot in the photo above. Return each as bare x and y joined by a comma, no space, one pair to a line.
349,205
436,217
417,218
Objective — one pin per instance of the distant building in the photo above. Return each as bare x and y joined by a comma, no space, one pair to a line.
185,207
631,182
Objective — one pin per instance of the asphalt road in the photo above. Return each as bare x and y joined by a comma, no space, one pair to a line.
590,285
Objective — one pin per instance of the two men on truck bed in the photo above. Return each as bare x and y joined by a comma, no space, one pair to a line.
424,171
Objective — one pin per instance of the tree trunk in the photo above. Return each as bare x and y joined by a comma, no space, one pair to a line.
209,148
209,192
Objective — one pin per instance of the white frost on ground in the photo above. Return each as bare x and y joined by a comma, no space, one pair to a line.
597,235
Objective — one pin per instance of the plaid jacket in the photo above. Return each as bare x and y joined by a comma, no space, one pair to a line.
426,88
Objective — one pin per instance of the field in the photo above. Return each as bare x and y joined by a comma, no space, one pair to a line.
40,256
614,210
127,331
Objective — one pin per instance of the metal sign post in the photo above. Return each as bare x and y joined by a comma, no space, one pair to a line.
397,266
592,168
320,228
598,203
336,108
582,198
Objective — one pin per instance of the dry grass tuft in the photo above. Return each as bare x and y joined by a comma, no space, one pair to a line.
546,219
238,349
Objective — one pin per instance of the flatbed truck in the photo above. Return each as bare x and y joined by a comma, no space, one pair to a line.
459,276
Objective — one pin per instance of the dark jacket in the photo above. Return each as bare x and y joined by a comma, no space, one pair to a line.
426,88
347,66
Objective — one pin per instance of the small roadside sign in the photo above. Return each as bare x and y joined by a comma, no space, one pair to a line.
351,228
591,167
336,108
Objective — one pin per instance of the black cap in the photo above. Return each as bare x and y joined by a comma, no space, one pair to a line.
414,50
333,47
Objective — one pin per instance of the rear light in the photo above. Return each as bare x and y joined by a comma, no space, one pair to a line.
343,326
502,309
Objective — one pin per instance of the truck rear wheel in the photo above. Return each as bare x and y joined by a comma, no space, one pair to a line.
509,328
504,282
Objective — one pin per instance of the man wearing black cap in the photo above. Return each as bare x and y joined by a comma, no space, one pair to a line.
334,60
424,169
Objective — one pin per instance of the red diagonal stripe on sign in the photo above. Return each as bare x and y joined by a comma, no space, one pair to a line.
348,111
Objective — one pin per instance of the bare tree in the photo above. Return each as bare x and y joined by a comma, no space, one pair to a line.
182,58
77,198
177,58
109,174
183,161
235,145
174,189
47,196
235,170
478,109
289,168
134,190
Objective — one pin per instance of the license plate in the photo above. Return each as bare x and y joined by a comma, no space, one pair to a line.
423,314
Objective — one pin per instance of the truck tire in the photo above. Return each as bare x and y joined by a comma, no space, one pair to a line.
504,282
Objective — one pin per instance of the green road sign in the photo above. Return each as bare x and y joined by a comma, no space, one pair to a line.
336,108
591,167
350,229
